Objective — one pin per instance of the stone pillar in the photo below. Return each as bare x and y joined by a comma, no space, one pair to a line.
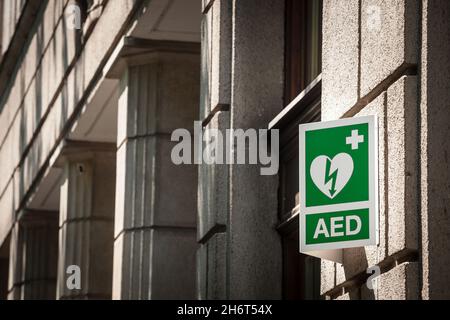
154,249
33,257
213,184
240,252
87,220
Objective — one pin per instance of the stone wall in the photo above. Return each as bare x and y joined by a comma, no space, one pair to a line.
382,58
52,79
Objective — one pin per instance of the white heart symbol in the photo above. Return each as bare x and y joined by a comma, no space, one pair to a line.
331,176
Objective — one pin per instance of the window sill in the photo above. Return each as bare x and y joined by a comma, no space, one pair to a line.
298,106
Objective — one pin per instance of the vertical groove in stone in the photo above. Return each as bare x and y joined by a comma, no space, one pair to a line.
150,173
386,177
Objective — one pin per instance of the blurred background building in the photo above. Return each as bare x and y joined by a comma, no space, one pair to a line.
91,90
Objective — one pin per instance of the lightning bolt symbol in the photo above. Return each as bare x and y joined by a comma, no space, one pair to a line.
331,176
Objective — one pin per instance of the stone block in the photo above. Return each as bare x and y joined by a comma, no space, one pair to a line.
33,162
52,15
12,105
54,71
400,283
7,160
104,181
101,258
155,264
46,79
31,114
389,39
217,264
340,57
357,260
88,185
205,68
145,190
6,117
89,245
31,61
135,188
173,265
74,91
103,35
50,130
220,37
213,185
175,203
131,273
255,45
211,268
160,96
255,249
342,274
178,93
202,272
255,245
327,276
402,195
34,255
7,211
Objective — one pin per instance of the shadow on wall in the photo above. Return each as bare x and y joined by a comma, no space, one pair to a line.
436,166
361,263
49,99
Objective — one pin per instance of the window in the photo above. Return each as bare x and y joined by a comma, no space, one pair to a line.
303,45
301,273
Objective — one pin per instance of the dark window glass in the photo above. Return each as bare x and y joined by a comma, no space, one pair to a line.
303,45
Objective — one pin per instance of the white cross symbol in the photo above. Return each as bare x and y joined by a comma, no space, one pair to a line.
355,139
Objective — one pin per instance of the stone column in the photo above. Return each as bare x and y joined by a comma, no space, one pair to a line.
87,220
154,249
240,250
33,257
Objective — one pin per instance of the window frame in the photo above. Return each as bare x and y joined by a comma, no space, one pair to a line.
302,95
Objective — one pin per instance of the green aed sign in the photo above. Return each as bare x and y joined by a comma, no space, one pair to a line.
338,184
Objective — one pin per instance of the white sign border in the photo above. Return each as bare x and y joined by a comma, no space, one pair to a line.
372,204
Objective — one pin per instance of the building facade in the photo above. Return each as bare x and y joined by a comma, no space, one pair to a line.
92,205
